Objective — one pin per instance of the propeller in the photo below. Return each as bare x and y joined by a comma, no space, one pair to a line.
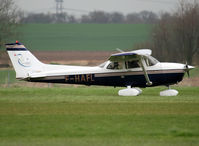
187,69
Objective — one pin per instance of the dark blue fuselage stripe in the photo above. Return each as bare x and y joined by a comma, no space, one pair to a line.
16,49
133,80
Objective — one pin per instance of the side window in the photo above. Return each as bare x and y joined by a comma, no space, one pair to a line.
114,65
133,64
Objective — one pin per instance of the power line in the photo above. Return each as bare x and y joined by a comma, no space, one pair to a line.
159,1
60,8
77,10
64,9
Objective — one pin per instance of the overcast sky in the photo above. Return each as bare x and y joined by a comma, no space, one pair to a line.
124,6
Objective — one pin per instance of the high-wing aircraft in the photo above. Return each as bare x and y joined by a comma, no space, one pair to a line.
125,69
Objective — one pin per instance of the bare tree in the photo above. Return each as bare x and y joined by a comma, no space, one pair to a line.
85,19
162,37
72,19
187,29
99,17
39,18
133,18
147,17
176,36
9,17
116,17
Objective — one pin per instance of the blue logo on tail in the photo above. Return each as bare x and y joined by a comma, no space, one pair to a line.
25,62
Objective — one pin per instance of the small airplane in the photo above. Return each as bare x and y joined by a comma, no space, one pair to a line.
125,69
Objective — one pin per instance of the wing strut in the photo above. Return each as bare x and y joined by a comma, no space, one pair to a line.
119,50
149,83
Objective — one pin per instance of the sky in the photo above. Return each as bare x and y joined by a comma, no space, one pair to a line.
123,6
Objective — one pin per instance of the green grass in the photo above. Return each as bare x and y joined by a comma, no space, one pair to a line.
7,76
83,36
98,116
194,72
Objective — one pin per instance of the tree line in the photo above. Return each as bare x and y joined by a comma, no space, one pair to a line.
146,17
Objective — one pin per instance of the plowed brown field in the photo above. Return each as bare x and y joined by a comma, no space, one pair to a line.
73,57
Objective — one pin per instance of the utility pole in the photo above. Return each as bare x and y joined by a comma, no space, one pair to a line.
59,6
59,10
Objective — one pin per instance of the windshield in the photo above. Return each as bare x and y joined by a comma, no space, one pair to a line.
150,61
103,64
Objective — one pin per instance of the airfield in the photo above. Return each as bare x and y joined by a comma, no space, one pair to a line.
54,114
98,116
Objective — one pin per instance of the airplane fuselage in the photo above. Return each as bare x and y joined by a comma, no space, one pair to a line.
159,74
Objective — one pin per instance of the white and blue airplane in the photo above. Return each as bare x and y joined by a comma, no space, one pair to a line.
125,69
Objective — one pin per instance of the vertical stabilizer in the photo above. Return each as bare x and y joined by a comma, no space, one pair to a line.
23,61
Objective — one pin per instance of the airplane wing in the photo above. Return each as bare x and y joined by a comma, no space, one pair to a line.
134,55
129,56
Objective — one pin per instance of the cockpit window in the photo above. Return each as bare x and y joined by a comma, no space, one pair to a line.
114,65
132,64
148,61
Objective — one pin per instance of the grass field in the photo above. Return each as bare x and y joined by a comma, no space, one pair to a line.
7,76
98,116
83,36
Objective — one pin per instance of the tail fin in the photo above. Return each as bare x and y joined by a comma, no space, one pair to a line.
24,62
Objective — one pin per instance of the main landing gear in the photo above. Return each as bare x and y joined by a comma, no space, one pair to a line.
137,91
169,92
130,91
